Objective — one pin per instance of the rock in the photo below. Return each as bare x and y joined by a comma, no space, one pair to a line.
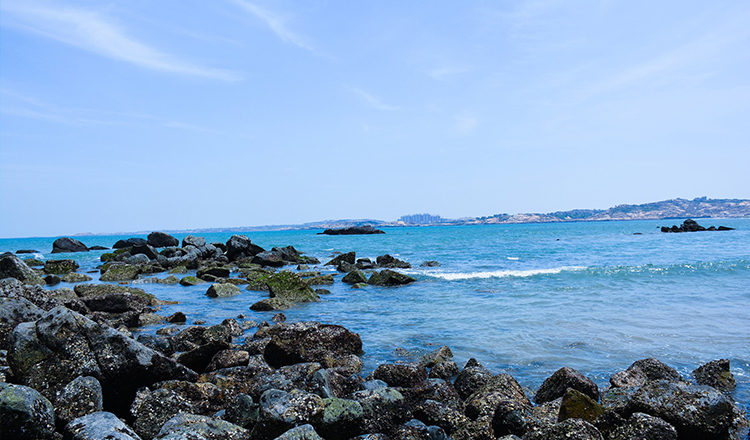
99,426
364,263
564,378
60,267
152,409
161,239
139,259
25,413
354,277
353,230
391,262
98,248
715,374
124,272
341,419
14,311
27,251
696,411
437,413
289,254
303,432
217,271
309,342
404,375
388,277
502,387
576,405
644,427
52,280
220,290
66,244
290,287
281,411
239,247
270,304
416,430
190,426
33,262
571,429
75,278
348,257
242,411
92,290
269,258
437,356
192,240
510,418
643,371
134,241
321,280
144,249
228,359
471,379
383,409
63,345
12,267
116,302
279,317
444,370
82,396
346,267
430,263
191,281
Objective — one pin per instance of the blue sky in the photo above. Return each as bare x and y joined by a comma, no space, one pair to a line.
145,115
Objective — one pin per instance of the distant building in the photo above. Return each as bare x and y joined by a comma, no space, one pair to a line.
421,219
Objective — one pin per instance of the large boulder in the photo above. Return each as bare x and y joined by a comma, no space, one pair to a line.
281,411
92,290
14,311
564,378
82,396
383,409
186,426
571,429
289,286
349,257
219,290
389,277
715,374
121,272
62,345
12,267
99,426
269,258
644,371
161,239
36,294
60,267
309,342
25,414
134,241
341,419
404,375
391,262
65,244
192,240
643,427
239,246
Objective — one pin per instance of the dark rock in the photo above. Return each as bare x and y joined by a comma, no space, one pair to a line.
502,387
74,278
144,249
14,311
353,230
341,419
571,429
437,356
27,251
242,411
12,267
99,426
391,262
354,277
116,302
33,262
691,225
364,263
91,290
192,240
564,378
161,239
444,370
288,254
36,294
437,413
321,280
60,267
269,258
348,257
82,396
190,281
430,263
715,374
388,277
290,287
724,228
63,345
134,241
25,413
157,342
404,375
644,427
239,247
139,259
576,405
190,426
66,244
279,317
228,359
416,430
302,432
121,272
346,267
152,409
383,409
270,304
281,411
471,379
219,290
309,342
98,248
216,271
510,418
643,371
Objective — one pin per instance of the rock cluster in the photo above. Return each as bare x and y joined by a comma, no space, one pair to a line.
691,225
353,230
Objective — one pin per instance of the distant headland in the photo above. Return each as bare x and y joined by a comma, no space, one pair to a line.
701,207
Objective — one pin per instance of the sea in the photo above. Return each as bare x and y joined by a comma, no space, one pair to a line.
524,299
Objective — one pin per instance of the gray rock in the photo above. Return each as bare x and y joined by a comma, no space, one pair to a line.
192,240
644,427
439,414
304,432
239,247
564,378
152,409
354,277
430,263
341,419
269,258
444,370
14,311
571,429
12,267
121,272
138,259
60,267
389,277
194,427
25,413
502,387
242,411
383,409
391,262
82,396
404,375
75,278
309,342
145,249
643,371
715,374
99,426
471,379
281,411
66,244
348,257
219,290
228,359
161,239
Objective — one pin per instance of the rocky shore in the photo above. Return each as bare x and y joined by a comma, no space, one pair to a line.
71,368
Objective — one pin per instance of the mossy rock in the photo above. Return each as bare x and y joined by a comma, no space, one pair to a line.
321,280
178,270
359,285
389,277
33,262
576,405
125,272
75,278
60,267
270,304
89,290
257,280
107,257
191,281
220,290
169,280
289,286
354,277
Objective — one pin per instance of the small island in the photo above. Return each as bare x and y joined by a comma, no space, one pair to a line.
352,230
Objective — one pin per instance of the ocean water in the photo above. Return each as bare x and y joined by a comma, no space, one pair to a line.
523,299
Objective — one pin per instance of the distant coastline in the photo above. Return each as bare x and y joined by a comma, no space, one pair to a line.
671,209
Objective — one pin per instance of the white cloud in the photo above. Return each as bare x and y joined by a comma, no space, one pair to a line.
371,100
276,24
91,31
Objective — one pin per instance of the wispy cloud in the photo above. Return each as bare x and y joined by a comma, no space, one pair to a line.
372,100
276,23
92,31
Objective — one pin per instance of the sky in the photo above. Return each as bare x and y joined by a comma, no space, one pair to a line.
132,115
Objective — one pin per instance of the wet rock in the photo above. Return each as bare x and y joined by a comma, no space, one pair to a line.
269,258
290,287
157,342
564,378
471,379
430,263
75,278
354,277
577,405
152,409
281,411
439,414
269,304
117,302
437,356
289,254
242,411
715,374
571,429
341,419
346,267
161,239
348,257
191,281
383,409
66,244
644,427
303,432
220,290
404,375
416,430
444,370
321,280
391,262
25,413
36,294
510,418
14,311
228,359
364,263
99,426
502,387
27,251
82,396
432,389
130,242
239,247
92,290
52,280
643,371
216,271
12,267
309,342
192,240
353,230
137,260
121,272
63,345
191,426
389,277
60,267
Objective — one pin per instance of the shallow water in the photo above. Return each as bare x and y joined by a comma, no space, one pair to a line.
524,299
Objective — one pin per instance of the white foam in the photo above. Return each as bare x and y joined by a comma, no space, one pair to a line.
504,273
513,258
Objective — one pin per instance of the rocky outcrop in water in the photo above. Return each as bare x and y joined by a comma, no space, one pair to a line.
66,244
353,230
691,225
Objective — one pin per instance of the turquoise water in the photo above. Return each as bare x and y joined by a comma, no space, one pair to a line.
523,299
